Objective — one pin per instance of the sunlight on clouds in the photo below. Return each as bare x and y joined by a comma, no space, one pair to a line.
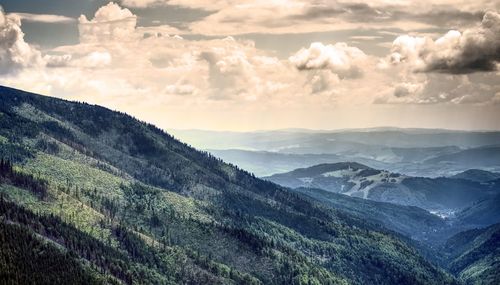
110,22
476,49
186,81
340,58
15,53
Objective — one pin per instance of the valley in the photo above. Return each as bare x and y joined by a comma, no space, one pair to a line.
125,190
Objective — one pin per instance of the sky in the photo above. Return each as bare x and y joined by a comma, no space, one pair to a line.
262,64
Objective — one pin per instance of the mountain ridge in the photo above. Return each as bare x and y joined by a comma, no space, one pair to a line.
137,189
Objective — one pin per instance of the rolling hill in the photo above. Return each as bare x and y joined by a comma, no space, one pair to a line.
118,201
357,180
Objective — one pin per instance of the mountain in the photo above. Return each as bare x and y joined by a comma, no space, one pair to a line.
474,255
410,221
264,163
477,175
119,201
285,140
414,152
482,213
486,156
27,259
357,180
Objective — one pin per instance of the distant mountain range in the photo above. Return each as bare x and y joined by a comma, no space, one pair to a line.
415,152
293,140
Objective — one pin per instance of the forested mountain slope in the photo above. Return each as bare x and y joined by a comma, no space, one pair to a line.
474,255
130,204
410,221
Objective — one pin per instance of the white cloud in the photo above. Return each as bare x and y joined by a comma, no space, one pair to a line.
96,59
180,89
15,53
341,59
57,60
475,49
43,18
408,88
110,23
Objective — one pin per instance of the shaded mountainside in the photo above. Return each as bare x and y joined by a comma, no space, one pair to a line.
28,259
413,222
474,255
357,180
133,205
482,213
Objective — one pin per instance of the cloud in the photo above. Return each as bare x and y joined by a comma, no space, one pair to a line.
95,59
142,3
323,80
341,59
195,4
176,81
15,53
408,88
366,38
438,88
236,17
57,60
237,69
180,89
43,18
110,23
473,50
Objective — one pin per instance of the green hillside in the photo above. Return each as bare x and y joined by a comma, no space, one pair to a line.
474,255
127,203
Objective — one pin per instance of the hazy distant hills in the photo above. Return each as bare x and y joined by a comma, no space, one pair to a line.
471,200
413,152
486,157
112,200
357,180
477,175
281,140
